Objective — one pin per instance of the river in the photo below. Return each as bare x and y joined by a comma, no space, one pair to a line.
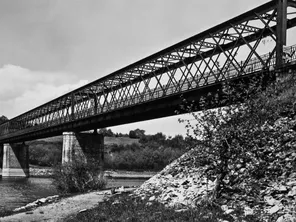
17,192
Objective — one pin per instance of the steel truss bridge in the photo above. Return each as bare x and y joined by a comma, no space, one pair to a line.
151,87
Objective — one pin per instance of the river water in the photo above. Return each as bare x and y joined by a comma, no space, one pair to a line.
17,192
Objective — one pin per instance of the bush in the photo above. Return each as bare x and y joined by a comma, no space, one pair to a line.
136,134
244,144
153,153
78,176
141,157
106,132
45,153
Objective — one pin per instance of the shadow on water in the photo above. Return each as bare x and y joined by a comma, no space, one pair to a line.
16,192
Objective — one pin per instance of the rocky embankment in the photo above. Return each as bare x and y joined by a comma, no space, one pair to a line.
182,185
37,203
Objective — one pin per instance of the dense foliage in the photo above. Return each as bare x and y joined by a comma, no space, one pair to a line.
78,176
44,153
137,133
3,119
139,157
153,152
106,132
247,145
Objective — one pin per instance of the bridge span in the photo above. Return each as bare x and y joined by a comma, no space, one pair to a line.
151,88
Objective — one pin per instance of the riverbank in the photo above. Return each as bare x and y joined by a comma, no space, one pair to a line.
33,191
179,193
64,207
37,171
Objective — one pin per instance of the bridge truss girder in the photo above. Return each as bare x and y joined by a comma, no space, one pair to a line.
226,51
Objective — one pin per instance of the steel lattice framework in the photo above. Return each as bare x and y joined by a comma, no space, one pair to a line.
227,51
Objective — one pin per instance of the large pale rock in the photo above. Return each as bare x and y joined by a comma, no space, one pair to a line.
286,218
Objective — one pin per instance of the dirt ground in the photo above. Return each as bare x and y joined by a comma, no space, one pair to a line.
63,208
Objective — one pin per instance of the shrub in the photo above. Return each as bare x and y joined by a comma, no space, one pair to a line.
106,132
241,144
45,153
141,158
78,176
137,133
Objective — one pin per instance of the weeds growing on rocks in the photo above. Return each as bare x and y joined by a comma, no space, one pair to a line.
248,146
124,207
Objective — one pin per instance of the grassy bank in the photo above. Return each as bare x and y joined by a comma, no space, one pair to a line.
124,207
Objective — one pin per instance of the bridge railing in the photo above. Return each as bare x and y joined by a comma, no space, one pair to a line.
12,128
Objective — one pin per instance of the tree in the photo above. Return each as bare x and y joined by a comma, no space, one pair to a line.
106,132
3,119
137,133
132,134
177,142
242,145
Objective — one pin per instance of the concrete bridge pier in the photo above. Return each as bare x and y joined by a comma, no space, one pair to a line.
83,147
15,160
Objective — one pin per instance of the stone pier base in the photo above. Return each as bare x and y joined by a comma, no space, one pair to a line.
83,147
15,160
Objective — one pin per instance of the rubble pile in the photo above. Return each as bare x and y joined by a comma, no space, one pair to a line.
183,185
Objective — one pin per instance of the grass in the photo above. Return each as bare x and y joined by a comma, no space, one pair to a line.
124,207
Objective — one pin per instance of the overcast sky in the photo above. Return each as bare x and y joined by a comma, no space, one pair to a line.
48,47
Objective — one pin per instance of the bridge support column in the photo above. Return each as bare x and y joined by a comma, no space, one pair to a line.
281,31
83,147
15,160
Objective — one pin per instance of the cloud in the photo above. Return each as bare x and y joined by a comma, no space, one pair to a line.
22,89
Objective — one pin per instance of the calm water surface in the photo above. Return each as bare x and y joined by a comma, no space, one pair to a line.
17,192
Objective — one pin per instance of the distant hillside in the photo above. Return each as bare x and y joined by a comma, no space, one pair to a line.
107,140
120,140
3,119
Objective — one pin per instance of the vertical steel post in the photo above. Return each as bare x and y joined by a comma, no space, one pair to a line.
96,105
72,107
281,31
